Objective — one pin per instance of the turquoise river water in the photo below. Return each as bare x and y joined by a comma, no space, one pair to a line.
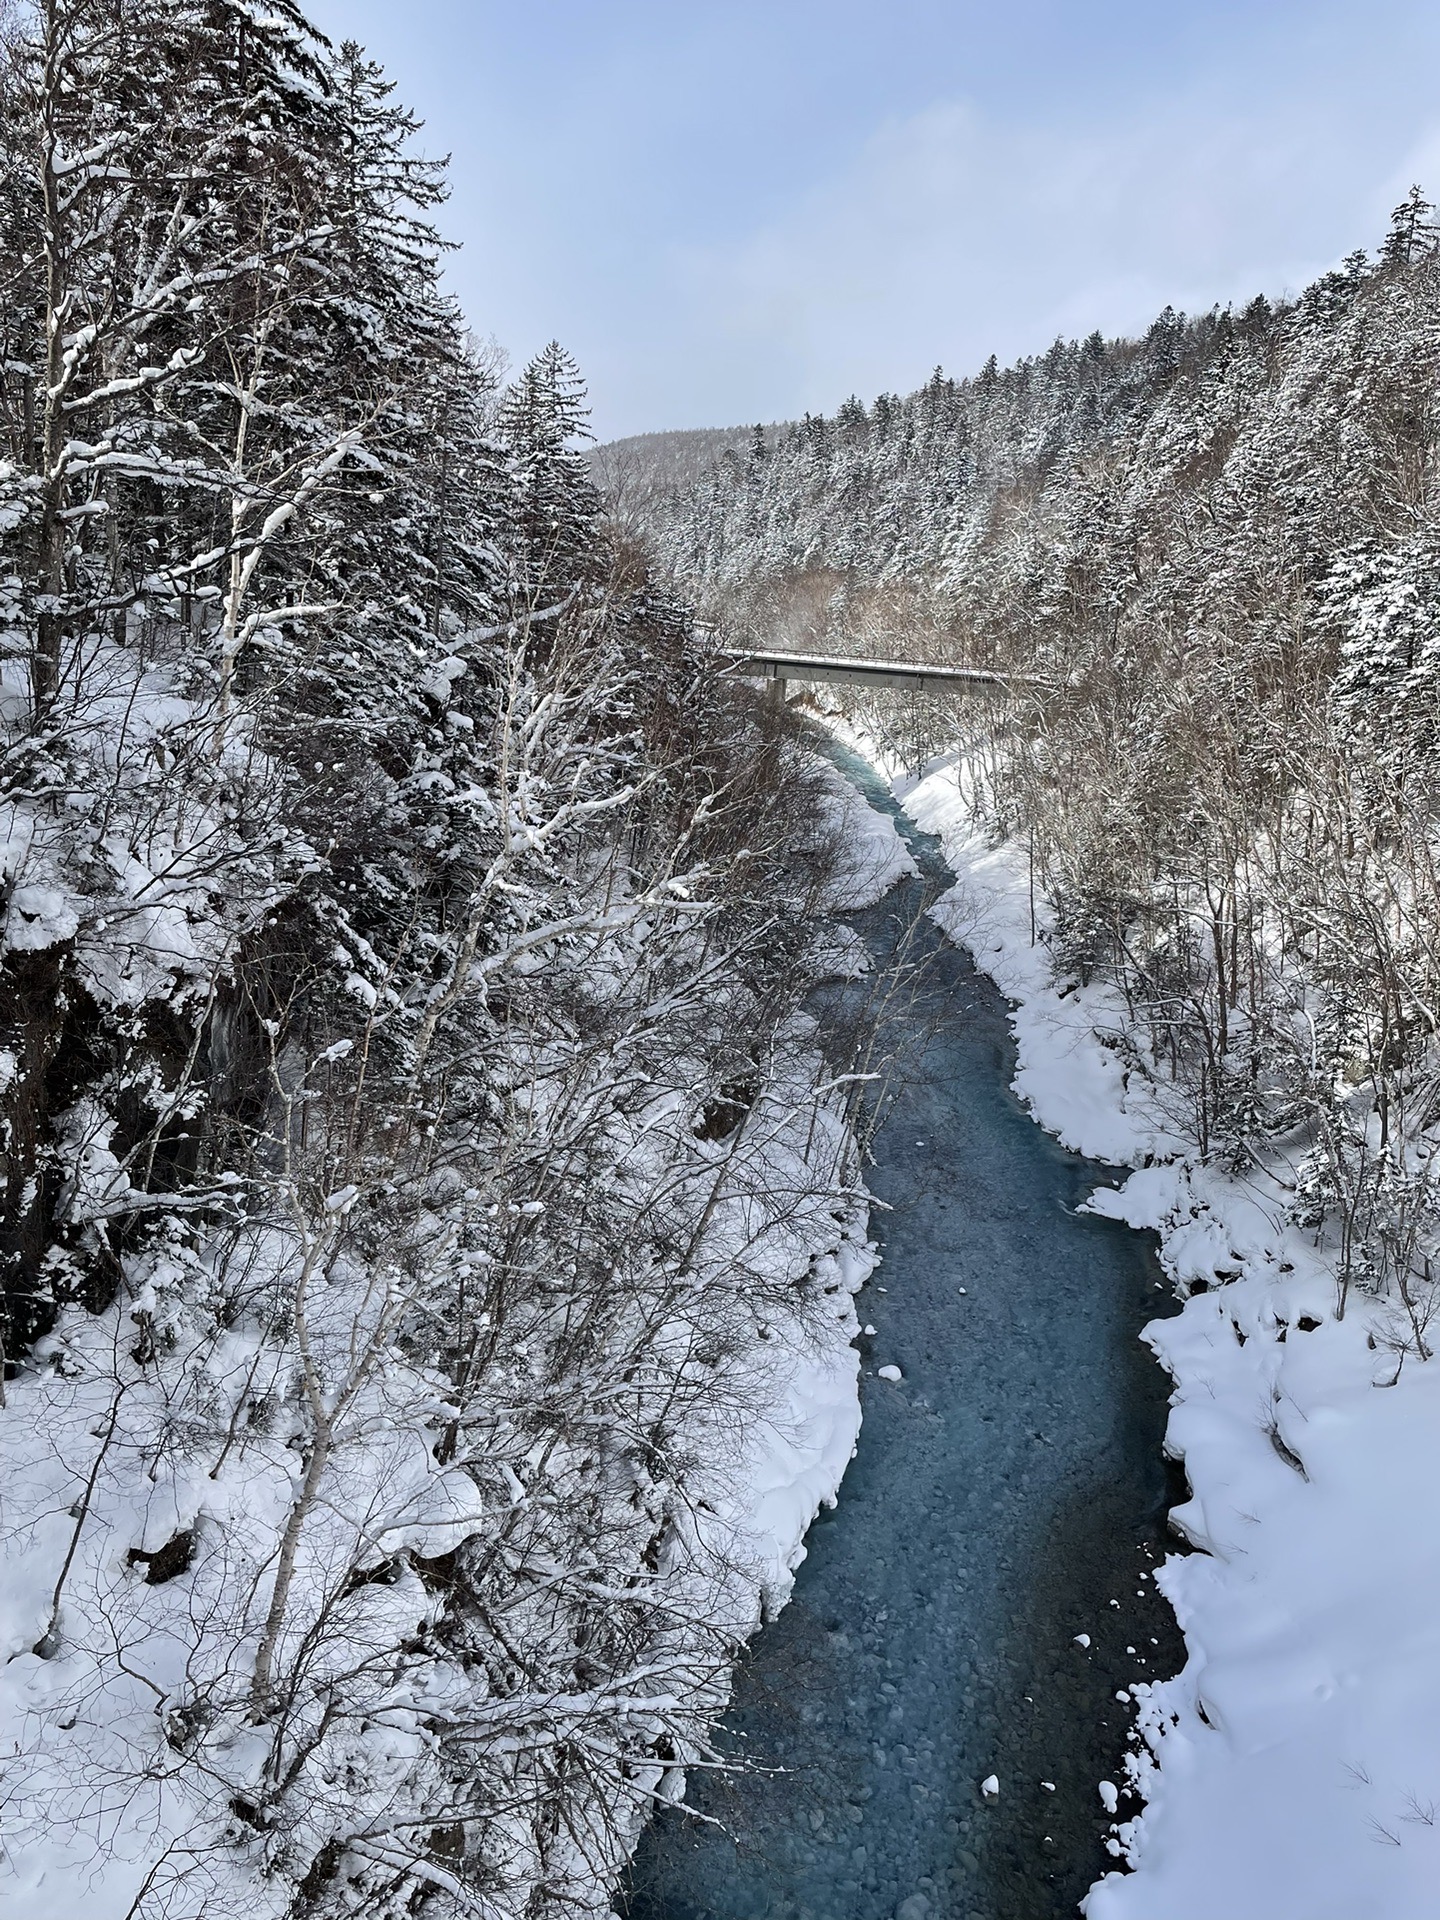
1007,1496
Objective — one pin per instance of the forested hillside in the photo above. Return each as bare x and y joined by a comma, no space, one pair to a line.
1211,558
410,1143
634,473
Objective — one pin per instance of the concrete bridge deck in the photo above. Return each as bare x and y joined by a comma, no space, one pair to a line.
839,670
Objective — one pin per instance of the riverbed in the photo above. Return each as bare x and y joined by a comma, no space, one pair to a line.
1005,1507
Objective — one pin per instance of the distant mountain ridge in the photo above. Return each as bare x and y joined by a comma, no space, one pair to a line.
636,470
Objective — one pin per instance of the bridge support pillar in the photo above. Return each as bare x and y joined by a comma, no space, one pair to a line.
776,691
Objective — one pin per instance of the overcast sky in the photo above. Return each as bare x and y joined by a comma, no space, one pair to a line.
735,210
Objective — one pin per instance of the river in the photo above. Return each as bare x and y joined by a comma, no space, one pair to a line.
1007,1496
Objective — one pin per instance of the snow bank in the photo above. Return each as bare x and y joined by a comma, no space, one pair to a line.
796,1452
872,857
805,1394
1292,1771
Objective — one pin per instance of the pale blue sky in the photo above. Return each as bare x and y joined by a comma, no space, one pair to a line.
734,211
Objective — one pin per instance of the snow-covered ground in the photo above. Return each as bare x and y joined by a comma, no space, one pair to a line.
92,1742
92,1808
1292,1771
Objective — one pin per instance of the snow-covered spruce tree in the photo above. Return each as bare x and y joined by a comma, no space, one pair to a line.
555,504
409,1134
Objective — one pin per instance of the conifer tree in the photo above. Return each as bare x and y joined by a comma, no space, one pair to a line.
555,509
1412,231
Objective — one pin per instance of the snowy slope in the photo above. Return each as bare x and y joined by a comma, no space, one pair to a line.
1292,1771
763,1482
109,1470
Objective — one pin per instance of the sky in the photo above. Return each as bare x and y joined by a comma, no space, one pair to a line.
742,210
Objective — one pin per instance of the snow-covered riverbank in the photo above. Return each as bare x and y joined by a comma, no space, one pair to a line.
806,1393
1292,1771
1007,1485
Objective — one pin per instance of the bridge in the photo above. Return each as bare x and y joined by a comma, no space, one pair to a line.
839,670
